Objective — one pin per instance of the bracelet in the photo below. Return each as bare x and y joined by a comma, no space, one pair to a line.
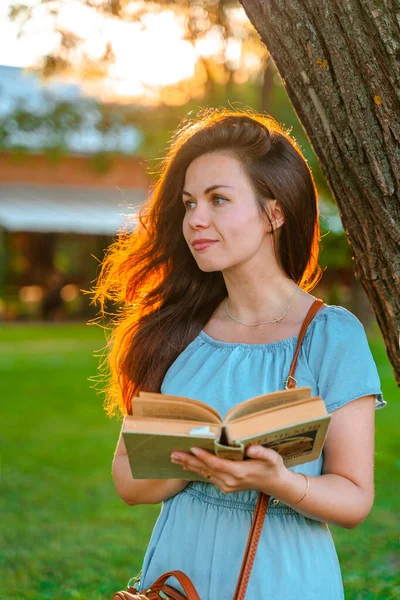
307,486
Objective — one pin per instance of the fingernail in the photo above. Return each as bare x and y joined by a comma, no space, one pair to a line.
195,451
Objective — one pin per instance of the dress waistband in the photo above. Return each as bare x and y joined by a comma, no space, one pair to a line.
275,507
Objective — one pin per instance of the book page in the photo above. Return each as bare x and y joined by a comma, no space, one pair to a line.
264,422
273,412
176,408
266,402
168,426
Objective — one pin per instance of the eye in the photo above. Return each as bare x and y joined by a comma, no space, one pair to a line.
217,196
186,202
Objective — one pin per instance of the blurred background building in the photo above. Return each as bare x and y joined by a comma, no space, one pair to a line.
57,215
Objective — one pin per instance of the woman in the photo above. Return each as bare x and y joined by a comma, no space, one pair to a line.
215,283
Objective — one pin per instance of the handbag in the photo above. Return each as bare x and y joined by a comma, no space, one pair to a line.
159,590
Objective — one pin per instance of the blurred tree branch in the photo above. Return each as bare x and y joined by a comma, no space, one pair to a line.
200,18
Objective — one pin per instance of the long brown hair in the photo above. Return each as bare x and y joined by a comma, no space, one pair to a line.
165,299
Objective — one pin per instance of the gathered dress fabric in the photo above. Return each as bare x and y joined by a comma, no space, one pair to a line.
202,531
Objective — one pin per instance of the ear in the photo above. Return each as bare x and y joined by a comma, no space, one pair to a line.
275,214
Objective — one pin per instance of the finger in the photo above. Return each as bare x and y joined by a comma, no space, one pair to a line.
190,463
265,454
202,471
215,463
199,468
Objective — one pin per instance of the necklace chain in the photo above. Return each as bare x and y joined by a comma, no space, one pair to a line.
274,320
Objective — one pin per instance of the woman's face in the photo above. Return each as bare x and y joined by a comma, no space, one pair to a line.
227,214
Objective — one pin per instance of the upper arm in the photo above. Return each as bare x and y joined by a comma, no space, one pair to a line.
349,446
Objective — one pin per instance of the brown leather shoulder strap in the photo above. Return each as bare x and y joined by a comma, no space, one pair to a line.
251,548
313,310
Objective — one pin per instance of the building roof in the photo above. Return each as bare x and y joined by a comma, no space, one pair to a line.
72,209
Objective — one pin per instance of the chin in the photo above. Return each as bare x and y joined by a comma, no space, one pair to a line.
208,268
211,266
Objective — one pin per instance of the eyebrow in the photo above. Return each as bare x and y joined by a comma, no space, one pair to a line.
210,189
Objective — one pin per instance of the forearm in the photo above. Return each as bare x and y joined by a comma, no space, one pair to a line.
142,491
330,498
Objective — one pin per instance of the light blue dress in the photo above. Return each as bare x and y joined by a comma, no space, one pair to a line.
204,532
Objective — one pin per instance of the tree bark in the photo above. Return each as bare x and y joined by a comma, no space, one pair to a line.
340,64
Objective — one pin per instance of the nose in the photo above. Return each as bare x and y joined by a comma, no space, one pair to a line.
198,216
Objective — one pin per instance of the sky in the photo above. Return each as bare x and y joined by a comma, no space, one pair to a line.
138,59
14,52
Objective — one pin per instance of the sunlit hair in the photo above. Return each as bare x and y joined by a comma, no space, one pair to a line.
164,299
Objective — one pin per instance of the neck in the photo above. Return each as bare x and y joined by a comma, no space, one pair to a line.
254,301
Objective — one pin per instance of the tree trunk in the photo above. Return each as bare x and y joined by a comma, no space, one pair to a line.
340,64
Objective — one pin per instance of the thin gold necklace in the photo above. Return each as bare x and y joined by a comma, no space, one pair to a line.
274,320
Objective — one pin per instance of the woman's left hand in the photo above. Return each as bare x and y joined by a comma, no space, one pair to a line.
263,473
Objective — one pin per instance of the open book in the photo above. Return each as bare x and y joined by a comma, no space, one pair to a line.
291,422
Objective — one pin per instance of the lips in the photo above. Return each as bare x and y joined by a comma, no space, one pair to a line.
202,241
202,244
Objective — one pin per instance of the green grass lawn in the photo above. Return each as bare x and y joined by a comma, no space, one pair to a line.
64,532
